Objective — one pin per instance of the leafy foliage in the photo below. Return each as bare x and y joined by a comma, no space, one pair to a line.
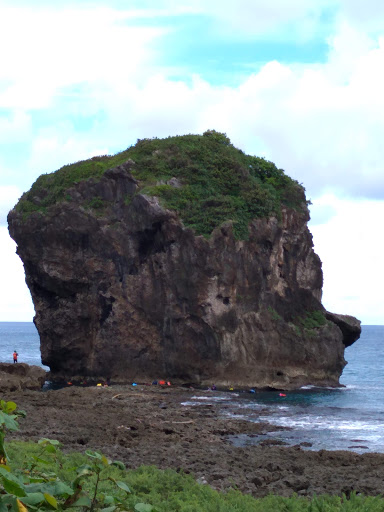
32,486
312,320
217,181
148,489
8,422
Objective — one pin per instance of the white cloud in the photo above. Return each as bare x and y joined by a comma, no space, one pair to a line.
322,209
15,300
351,248
257,19
367,15
325,132
323,128
50,49
59,147
15,127
8,198
274,19
322,123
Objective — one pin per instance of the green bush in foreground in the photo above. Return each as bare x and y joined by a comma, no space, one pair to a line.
38,476
217,182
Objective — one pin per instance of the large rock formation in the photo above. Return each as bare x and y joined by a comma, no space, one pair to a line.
128,292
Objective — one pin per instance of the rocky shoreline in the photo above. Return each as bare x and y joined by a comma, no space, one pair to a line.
148,425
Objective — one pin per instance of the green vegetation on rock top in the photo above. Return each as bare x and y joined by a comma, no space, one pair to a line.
216,182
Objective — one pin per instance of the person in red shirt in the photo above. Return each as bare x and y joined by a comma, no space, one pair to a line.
15,354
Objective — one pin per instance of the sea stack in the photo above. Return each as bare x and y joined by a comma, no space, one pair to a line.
182,259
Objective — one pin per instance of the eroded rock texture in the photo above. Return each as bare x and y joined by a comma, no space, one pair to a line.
20,376
127,292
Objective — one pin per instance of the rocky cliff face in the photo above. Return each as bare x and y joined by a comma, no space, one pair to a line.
127,292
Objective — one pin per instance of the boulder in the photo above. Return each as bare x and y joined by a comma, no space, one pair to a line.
349,326
19,376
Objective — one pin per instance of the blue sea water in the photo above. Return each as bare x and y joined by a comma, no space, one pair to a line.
22,337
350,418
347,418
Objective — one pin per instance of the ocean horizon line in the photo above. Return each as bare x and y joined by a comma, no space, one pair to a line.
31,322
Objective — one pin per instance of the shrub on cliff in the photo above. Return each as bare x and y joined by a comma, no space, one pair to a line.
311,320
215,181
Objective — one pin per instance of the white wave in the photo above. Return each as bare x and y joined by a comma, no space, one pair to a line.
362,387
237,416
356,425
322,423
248,405
211,398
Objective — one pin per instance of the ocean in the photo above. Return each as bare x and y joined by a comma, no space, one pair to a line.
348,418
22,337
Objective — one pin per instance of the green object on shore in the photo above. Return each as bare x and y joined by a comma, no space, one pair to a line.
203,177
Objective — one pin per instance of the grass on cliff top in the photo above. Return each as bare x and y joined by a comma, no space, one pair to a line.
166,490
218,181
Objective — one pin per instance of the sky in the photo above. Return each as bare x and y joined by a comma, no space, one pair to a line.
300,83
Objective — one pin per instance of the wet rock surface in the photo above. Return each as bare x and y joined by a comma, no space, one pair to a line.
148,425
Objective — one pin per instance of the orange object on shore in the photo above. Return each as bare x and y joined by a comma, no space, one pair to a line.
162,382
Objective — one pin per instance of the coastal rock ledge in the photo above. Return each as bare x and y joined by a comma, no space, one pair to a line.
20,376
123,289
